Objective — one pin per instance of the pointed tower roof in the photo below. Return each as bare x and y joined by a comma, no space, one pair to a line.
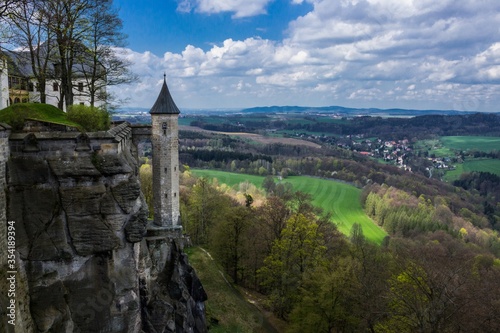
164,103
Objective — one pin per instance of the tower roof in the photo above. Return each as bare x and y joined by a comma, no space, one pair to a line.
164,103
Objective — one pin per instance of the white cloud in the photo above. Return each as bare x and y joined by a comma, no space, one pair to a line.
240,8
384,53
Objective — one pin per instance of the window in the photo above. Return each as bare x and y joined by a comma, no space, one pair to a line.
31,86
55,86
80,86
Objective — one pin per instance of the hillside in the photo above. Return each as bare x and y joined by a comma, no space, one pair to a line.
340,199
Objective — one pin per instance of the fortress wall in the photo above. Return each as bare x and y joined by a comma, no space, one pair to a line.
115,141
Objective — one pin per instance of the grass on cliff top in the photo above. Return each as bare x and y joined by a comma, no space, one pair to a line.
227,310
16,114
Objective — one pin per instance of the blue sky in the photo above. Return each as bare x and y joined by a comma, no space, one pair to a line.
359,53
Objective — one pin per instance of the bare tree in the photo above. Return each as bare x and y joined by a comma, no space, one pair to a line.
80,38
69,23
99,63
6,6
32,32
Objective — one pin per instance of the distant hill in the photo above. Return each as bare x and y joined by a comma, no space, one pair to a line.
353,111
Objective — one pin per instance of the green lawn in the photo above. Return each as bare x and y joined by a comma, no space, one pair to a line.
340,199
481,143
15,114
477,164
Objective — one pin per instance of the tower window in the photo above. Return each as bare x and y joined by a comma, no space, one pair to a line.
175,195
165,170
55,86
80,86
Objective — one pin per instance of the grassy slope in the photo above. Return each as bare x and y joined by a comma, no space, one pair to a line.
484,165
15,114
481,143
342,200
225,304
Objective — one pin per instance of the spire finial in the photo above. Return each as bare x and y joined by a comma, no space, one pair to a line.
164,76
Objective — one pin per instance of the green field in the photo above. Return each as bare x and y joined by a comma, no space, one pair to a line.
480,143
477,164
340,199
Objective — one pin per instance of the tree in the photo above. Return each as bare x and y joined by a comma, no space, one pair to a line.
329,300
228,239
299,250
268,184
68,20
205,206
32,32
433,288
6,35
98,61
146,177
92,119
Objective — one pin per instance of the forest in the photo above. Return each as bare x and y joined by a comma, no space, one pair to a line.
427,276
421,127
437,270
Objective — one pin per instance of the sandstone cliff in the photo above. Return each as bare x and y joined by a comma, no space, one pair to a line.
86,262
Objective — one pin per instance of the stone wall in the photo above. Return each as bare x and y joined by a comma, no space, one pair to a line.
4,155
165,142
82,240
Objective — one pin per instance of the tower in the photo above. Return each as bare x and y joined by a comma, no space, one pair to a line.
165,141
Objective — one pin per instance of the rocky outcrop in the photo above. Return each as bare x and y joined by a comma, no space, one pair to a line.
81,237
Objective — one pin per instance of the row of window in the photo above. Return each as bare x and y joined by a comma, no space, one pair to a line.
55,86
25,100
24,84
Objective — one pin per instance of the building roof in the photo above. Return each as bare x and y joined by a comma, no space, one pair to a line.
164,103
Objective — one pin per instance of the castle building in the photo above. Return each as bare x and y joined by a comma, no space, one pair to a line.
19,85
165,142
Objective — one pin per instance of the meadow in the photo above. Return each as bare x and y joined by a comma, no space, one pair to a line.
339,199
476,164
480,143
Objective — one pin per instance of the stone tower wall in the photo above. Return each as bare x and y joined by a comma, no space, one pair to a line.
165,141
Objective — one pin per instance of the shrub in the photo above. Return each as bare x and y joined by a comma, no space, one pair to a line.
90,118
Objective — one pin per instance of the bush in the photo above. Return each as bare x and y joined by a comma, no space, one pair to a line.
90,118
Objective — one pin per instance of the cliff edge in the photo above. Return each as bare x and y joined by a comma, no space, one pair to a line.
85,261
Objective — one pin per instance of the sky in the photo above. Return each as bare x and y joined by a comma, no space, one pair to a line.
414,54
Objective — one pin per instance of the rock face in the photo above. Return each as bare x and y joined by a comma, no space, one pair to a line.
81,237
